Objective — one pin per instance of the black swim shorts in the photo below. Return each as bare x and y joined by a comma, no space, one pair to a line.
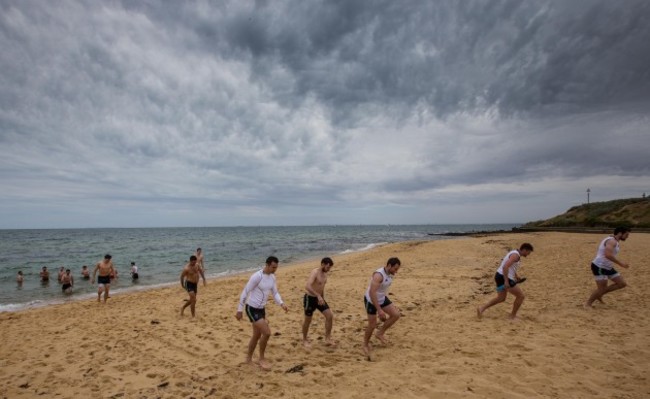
310,303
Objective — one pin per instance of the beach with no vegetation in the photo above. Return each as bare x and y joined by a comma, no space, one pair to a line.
139,346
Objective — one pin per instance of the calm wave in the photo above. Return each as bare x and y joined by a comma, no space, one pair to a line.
160,253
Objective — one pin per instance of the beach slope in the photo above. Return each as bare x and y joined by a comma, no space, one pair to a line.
138,346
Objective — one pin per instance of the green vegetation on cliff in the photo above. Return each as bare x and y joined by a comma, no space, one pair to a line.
632,212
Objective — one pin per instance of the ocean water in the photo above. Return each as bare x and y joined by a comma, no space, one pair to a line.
160,253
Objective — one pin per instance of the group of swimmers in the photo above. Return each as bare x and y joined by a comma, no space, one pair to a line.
66,278
262,284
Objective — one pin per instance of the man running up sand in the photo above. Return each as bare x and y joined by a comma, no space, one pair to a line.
509,267
253,299
377,303
602,266
190,281
314,299
105,268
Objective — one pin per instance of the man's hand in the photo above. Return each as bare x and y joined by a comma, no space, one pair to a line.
238,316
283,306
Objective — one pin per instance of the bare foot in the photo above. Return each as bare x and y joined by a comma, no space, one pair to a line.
381,338
367,351
331,343
479,312
514,319
264,365
306,344
587,306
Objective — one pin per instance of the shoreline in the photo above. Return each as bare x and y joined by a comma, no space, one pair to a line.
137,345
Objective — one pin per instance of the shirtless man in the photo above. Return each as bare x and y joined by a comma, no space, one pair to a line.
45,275
61,273
85,273
377,303
105,268
68,282
313,300
190,282
19,278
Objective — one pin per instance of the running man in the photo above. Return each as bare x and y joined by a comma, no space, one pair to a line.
105,268
190,282
377,303
253,298
314,299
68,282
603,265
509,267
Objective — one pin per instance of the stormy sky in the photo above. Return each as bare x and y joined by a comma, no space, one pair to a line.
162,113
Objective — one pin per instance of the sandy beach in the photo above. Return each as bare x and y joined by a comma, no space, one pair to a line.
138,346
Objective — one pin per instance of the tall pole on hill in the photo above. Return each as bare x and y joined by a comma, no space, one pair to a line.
588,191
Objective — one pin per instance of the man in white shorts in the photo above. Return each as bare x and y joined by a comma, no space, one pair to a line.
602,266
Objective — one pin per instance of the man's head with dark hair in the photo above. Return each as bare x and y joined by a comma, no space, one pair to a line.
272,259
526,246
327,261
393,262
192,258
621,230
107,256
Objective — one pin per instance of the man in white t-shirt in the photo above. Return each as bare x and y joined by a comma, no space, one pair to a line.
602,266
506,279
378,304
253,300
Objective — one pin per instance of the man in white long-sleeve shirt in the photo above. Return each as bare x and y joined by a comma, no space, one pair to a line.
253,299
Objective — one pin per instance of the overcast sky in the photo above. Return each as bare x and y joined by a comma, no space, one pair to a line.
147,113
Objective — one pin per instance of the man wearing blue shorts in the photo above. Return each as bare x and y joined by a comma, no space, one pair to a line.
506,279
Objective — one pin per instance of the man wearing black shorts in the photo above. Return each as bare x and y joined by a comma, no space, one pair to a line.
313,300
190,281
105,269
602,267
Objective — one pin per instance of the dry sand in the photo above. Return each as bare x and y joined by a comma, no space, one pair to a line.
138,346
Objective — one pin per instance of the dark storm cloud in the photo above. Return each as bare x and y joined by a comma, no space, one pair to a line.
317,106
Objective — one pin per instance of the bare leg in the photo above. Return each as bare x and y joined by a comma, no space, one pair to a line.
501,296
264,339
372,323
519,299
108,288
394,315
601,288
100,289
305,331
329,321
190,302
257,333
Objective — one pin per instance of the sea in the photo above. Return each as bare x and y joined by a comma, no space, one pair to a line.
161,253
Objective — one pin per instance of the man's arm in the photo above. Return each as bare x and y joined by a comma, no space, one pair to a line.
277,298
377,279
183,273
94,273
609,253
514,258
